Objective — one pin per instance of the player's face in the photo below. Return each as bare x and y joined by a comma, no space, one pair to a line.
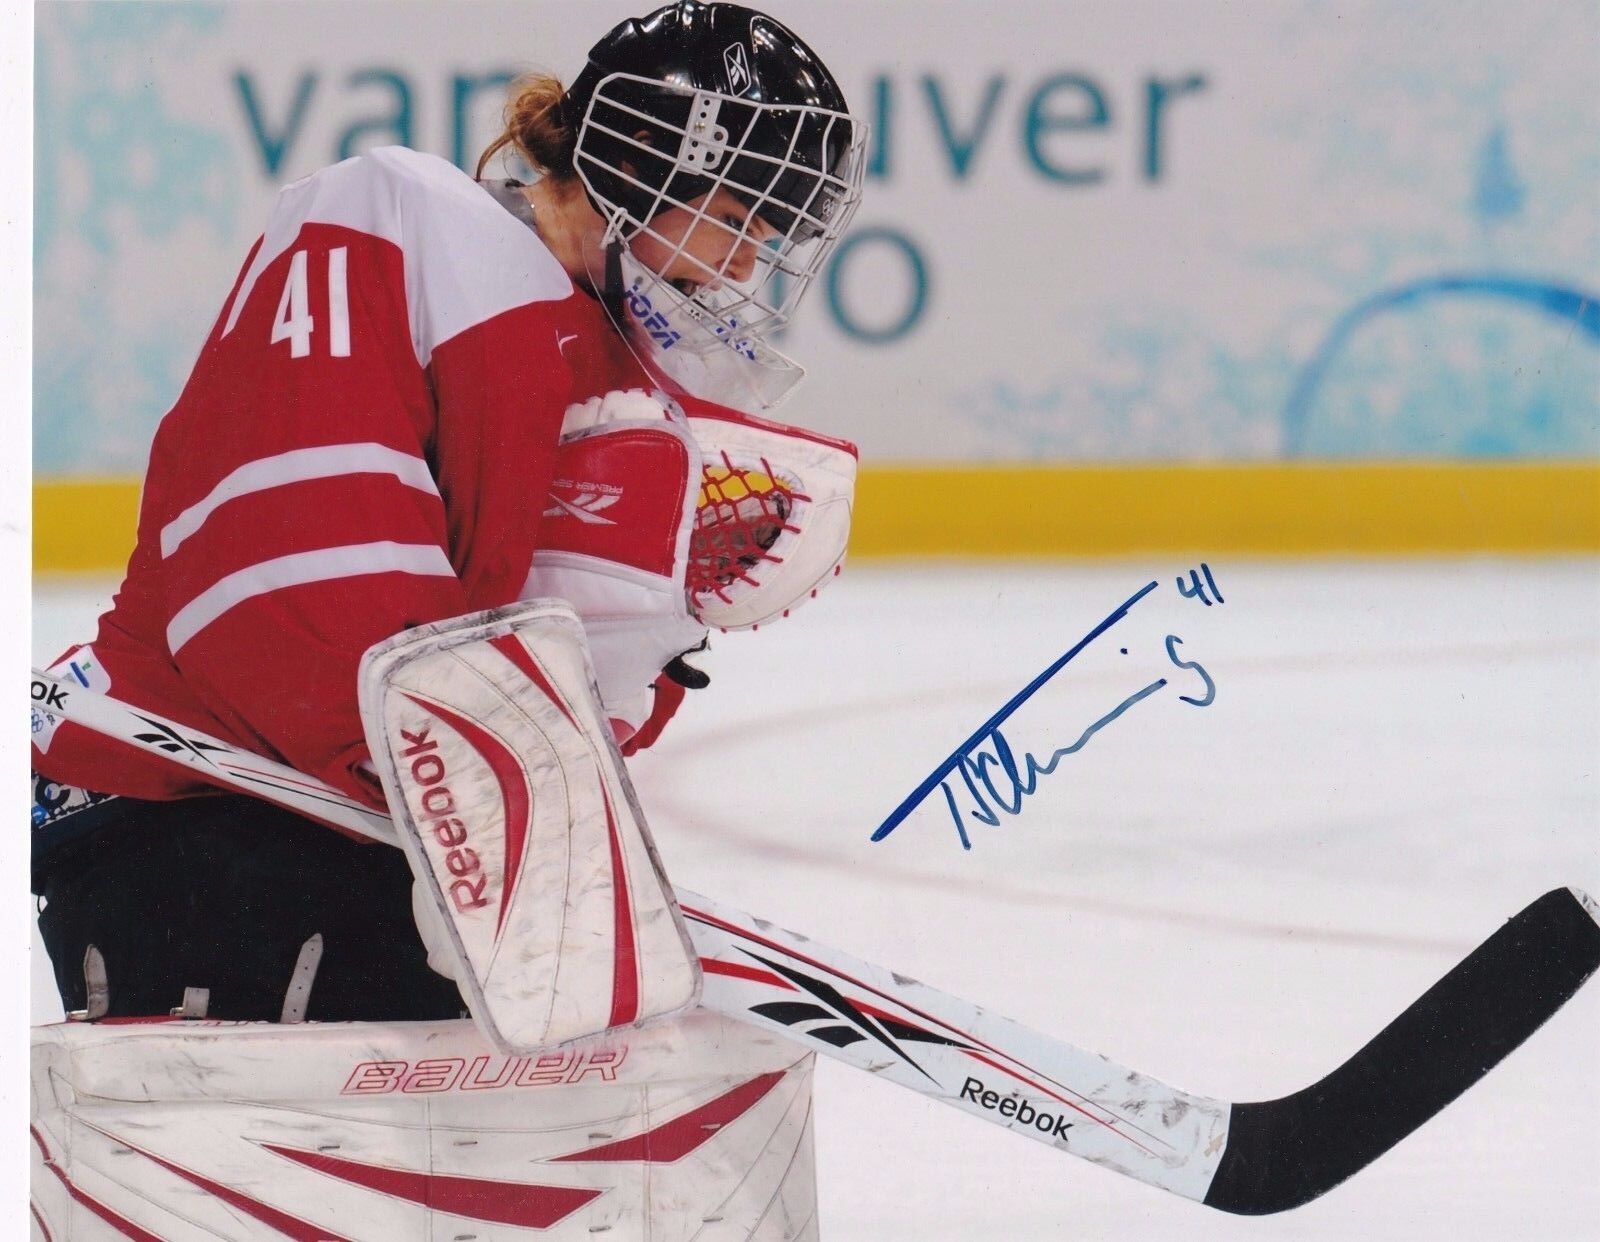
711,240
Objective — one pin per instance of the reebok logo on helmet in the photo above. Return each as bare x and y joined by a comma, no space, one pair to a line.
740,79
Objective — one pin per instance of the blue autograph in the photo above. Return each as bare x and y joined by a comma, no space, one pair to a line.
1019,779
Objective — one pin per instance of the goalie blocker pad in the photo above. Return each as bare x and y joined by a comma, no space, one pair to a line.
522,828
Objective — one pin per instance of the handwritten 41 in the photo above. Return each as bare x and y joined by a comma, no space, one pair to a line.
994,779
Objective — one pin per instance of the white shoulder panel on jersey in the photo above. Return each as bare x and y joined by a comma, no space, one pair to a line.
522,828
466,258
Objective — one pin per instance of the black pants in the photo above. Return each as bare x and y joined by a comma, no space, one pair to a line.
221,893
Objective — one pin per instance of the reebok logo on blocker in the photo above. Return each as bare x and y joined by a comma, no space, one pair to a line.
427,769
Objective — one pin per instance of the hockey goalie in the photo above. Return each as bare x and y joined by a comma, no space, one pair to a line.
464,472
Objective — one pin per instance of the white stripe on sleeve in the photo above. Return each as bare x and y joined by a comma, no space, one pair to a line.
296,466
425,560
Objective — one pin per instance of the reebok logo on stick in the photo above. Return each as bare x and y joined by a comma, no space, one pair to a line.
1053,1124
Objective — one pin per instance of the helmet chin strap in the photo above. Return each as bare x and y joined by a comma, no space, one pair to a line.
611,296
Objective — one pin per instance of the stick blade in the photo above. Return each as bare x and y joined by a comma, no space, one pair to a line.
1283,1153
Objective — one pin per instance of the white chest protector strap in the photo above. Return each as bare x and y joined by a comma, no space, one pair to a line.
522,828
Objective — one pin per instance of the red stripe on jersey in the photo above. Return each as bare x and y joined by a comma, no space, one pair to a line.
300,569
300,517
250,483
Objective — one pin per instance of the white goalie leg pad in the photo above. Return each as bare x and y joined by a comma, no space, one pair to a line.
694,1127
522,827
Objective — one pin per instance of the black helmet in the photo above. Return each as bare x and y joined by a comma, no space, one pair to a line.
697,96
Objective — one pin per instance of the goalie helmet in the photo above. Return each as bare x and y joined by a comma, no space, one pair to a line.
671,108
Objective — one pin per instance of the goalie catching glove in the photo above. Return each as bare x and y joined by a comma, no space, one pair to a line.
535,870
667,519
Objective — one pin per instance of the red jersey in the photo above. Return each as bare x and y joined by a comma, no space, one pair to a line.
365,444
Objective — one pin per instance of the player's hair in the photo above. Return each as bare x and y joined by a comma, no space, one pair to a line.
536,127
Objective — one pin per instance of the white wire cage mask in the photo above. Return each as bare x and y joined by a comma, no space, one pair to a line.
708,312
685,349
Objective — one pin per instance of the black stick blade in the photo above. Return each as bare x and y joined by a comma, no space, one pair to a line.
1283,1153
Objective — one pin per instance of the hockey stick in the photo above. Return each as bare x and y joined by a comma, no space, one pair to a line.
1251,1158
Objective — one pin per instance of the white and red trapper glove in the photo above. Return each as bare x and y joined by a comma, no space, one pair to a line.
666,519
614,543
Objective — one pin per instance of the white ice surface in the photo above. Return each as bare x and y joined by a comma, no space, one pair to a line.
1400,756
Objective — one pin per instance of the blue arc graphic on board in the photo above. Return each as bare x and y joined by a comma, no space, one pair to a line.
1580,308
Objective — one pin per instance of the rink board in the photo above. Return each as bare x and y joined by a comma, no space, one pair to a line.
87,525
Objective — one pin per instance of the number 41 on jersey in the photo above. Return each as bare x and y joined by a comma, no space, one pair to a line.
294,322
